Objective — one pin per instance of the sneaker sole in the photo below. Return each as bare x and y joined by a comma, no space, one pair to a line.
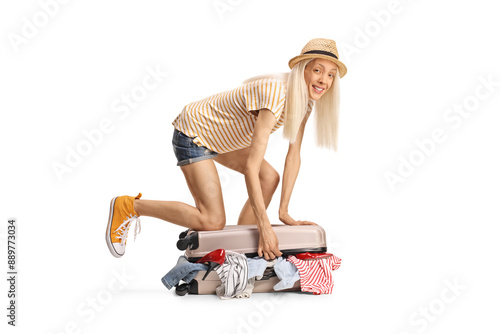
108,230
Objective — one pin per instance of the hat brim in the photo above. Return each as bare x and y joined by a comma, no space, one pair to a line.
341,66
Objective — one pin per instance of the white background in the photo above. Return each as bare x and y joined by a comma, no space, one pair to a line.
401,248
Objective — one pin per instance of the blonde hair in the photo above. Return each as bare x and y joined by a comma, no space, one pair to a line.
327,116
297,100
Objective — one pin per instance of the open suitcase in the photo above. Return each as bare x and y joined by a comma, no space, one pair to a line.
245,239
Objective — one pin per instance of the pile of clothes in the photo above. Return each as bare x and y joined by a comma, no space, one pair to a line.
239,273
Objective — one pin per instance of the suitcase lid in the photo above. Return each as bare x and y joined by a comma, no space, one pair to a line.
245,238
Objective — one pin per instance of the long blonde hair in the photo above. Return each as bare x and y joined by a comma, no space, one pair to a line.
327,116
297,100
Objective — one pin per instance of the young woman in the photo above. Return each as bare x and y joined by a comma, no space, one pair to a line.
233,129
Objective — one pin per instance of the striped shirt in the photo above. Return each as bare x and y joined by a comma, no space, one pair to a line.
225,122
233,274
316,275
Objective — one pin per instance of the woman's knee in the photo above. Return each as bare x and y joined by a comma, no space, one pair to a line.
269,179
213,222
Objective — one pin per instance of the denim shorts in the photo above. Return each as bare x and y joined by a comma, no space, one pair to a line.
187,151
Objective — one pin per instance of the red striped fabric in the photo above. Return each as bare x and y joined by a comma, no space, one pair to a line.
316,275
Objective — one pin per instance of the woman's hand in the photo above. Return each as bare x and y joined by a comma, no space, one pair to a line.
268,243
286,219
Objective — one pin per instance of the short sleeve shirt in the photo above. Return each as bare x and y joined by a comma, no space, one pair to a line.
225,122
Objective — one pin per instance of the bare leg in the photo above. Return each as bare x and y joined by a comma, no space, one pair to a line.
269,180
203,182
247,217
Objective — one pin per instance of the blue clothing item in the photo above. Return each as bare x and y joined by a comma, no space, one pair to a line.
183,271
187,151
256,267
287,272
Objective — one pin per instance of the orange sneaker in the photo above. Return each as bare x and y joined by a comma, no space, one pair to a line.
121,216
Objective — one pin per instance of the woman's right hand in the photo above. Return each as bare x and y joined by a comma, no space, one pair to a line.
268,243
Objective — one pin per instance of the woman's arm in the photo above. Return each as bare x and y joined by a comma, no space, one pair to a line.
292,166
268,243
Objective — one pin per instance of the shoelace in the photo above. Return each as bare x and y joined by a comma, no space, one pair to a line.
125,226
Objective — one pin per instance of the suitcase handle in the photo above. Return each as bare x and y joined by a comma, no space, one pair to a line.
189,241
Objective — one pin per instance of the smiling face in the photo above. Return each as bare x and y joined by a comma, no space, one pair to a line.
319,75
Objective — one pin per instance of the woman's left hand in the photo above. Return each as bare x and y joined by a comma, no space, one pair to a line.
286,219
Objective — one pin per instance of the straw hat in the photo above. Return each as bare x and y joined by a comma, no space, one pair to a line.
320,48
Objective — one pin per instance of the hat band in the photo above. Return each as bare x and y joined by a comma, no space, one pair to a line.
321,52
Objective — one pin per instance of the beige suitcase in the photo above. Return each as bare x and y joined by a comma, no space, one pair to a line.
245,239
212,281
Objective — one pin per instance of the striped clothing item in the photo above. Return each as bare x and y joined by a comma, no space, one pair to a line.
316,275
233,274
225,122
